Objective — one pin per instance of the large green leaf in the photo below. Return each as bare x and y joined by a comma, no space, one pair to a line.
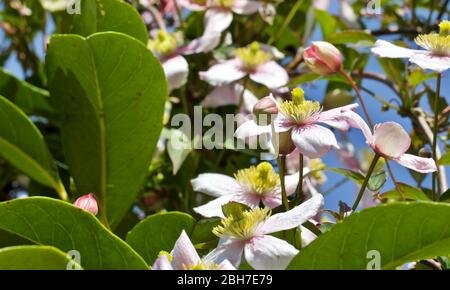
159,232
376,180
445,159
110,91
109,15
400,232
32,100
50,222
352,36
35,258
23,146
409,193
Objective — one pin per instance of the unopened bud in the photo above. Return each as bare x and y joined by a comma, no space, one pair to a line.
323,58
286,146
425,153
88,203
264,110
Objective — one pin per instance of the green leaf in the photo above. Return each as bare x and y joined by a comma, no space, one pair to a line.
376,180
32,100
35,258
303,78
409,192
444,160
159,232
23,146
110,91
51,222
400,232
352,36
326,21
202,232
109,15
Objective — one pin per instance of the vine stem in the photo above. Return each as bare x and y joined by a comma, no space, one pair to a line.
286,22
366,181
300,177
436,192
281,160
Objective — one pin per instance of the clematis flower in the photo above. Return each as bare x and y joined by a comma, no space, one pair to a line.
392,142
185,257
252,61
251,186
230,95
302,119
436,55
249,234
323,58
88,203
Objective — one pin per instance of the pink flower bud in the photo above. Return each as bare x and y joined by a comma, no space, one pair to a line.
323,58
286,145
88,203
264,110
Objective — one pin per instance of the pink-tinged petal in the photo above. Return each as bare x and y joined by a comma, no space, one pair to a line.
202,44
270,74
335,117
419,164
250,129
271,201
294,217
215,184
355,120
250,100
314,141
214,207
176,70
228,249
225,265
432,62
162,263
269,253
223,73
222,96
384,48
282,123
217,20
245,7
249,199
307,236
391,140
184,254
191,5
348,14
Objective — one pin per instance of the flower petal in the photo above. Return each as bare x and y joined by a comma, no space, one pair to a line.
419,164
313,141
217,20
386,49
223,73
222,96
307,236
428,61
176,70
270,74
191,5
215,184
162,263
335,117
184,254
271,201
250,129
202,44
214,207
355,120
269,253
228,249
391,140
245,7
226,265
294,217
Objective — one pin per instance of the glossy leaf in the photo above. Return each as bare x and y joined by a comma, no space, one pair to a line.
109,15
409,192
400,232
35,258
110,91
50,222
159,232
23,146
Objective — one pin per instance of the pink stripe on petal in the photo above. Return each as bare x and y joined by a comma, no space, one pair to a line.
419,164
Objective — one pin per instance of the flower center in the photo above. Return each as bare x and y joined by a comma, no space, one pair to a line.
438,44
163,44
202,265
260,179
199,2
316,166
244,225
300,110
253,56
225,3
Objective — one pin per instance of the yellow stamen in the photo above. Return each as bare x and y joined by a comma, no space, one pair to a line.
202,265
242,227
253,56
199,2
225,3
437,44
163,43
316,166
444,28
300,110
261,179
169,256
